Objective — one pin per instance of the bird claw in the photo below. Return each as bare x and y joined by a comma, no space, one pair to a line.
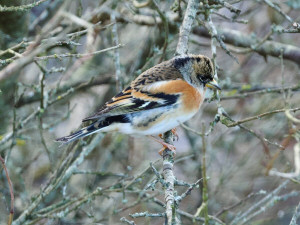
170,147
166,146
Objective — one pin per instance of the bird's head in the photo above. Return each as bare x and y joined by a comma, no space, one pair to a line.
197,70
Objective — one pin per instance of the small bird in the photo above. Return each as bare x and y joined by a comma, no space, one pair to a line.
158,100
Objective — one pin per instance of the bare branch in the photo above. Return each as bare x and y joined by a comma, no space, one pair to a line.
20,8
186,26
12,197
78,55
296,215
241,218
239,39
260,116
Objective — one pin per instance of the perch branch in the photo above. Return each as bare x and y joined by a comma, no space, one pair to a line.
168,158
168,161
185,28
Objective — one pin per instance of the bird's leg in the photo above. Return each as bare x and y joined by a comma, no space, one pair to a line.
166,145
171,148
161,151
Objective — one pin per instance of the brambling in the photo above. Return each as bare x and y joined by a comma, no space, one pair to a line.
158,100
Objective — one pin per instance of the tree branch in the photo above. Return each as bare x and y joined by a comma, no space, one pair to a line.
239,39
168,158
12,197
168,161
185,28
21,7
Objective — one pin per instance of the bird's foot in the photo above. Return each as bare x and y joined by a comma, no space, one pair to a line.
166,146
171,147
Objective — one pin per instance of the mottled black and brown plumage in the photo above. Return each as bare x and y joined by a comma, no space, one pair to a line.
156,101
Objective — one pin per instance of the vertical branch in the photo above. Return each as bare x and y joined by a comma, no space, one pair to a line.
166,26
168,158
204,191
168,161
13,142
214,52
12,197
186,26
42,108
296,215
115,38
203,209
283,80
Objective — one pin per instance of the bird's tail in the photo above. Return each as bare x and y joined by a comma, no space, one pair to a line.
94,127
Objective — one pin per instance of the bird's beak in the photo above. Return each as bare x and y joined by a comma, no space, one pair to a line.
213,85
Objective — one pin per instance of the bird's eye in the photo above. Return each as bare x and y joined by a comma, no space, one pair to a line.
204,78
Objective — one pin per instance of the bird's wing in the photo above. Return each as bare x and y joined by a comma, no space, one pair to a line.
143,93
133,100
162,72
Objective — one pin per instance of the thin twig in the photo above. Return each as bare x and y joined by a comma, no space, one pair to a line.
123,219
225,209
225,119
12,197
77,55
294,174
20,8
246,94
269,204
260,116
203,209
65,171
166,27
187,192
115,38
147,214
253,47
296,215
34,49
276,8
214,35
259,204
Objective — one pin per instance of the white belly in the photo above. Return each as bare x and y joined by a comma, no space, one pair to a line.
151,122
165,125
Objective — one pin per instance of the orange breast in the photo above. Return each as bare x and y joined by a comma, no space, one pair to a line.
190,96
